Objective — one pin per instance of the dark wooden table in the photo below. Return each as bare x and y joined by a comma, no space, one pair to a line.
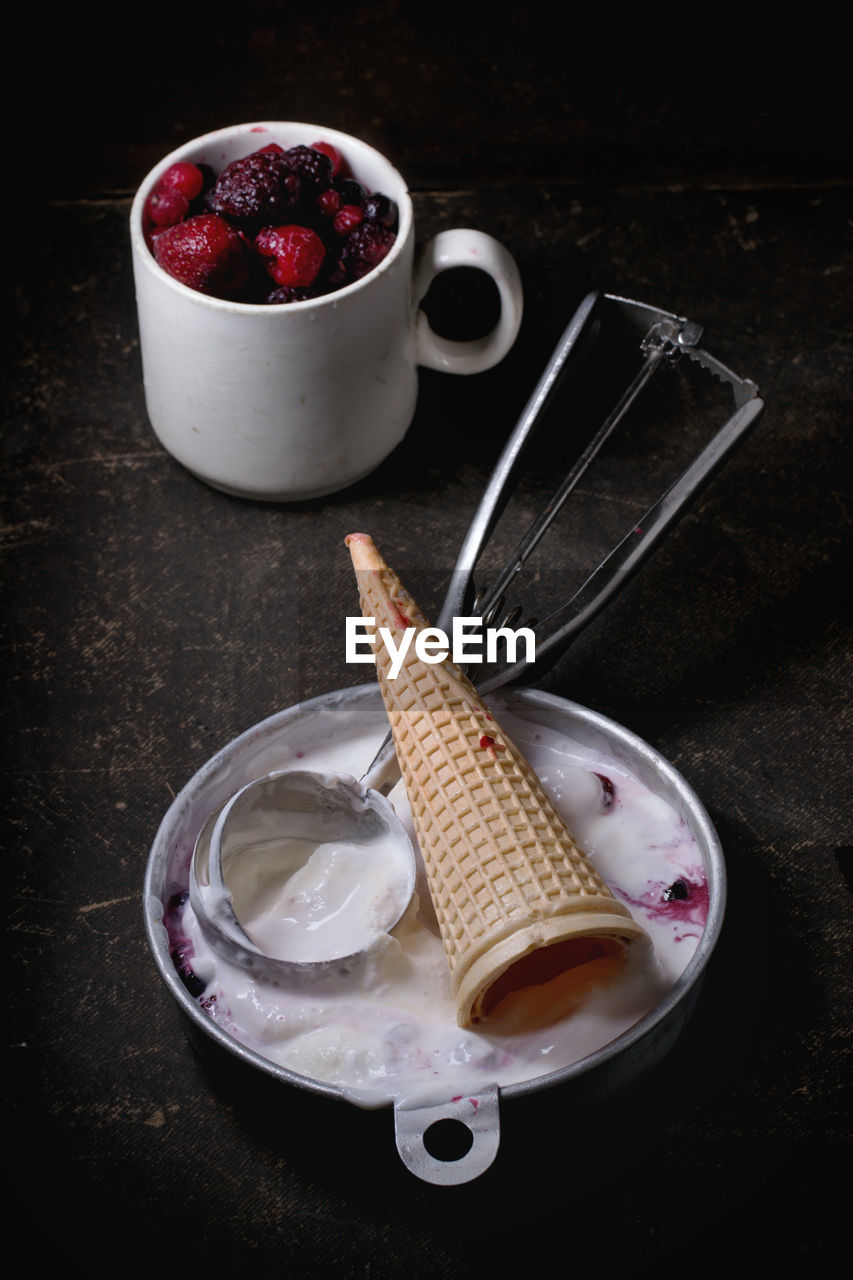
149,619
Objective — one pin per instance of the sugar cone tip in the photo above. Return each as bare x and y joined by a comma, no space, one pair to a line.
363,551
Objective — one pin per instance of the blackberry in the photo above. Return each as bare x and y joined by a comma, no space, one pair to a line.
334,273
312,167
175,905
365,247
677,892
256,190
290,293
339,165
181,955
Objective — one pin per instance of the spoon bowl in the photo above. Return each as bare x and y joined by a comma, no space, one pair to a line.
302,837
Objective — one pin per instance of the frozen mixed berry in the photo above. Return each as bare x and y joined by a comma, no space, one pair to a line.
256,190
334,272
175,905
289,293
312,167
171,200
184,177
338,162
347,218
181,955
329,202
297,217
295,254
608,791
678,891
206,253
342,204
365,248
165,208
381,209
350,191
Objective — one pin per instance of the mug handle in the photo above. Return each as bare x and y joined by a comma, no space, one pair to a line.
462,247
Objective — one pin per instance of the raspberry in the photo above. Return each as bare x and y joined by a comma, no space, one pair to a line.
365,248
207,254
259,189
296,254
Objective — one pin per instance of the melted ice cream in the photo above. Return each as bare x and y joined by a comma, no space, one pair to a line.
303,901
390,1031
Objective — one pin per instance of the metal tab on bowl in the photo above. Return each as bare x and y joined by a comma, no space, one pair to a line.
429,1136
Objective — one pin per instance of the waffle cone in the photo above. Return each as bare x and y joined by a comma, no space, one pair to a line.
518,903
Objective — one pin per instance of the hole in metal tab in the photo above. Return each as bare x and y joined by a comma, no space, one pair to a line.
448,1140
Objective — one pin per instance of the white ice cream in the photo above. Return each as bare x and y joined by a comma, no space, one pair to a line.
391,1031
303,901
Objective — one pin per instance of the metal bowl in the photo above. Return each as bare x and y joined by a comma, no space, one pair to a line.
272,744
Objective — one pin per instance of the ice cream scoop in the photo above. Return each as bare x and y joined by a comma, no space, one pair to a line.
299,876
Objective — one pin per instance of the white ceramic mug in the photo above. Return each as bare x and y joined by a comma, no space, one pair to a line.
293,401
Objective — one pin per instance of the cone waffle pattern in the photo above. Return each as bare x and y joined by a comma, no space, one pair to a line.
505,875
